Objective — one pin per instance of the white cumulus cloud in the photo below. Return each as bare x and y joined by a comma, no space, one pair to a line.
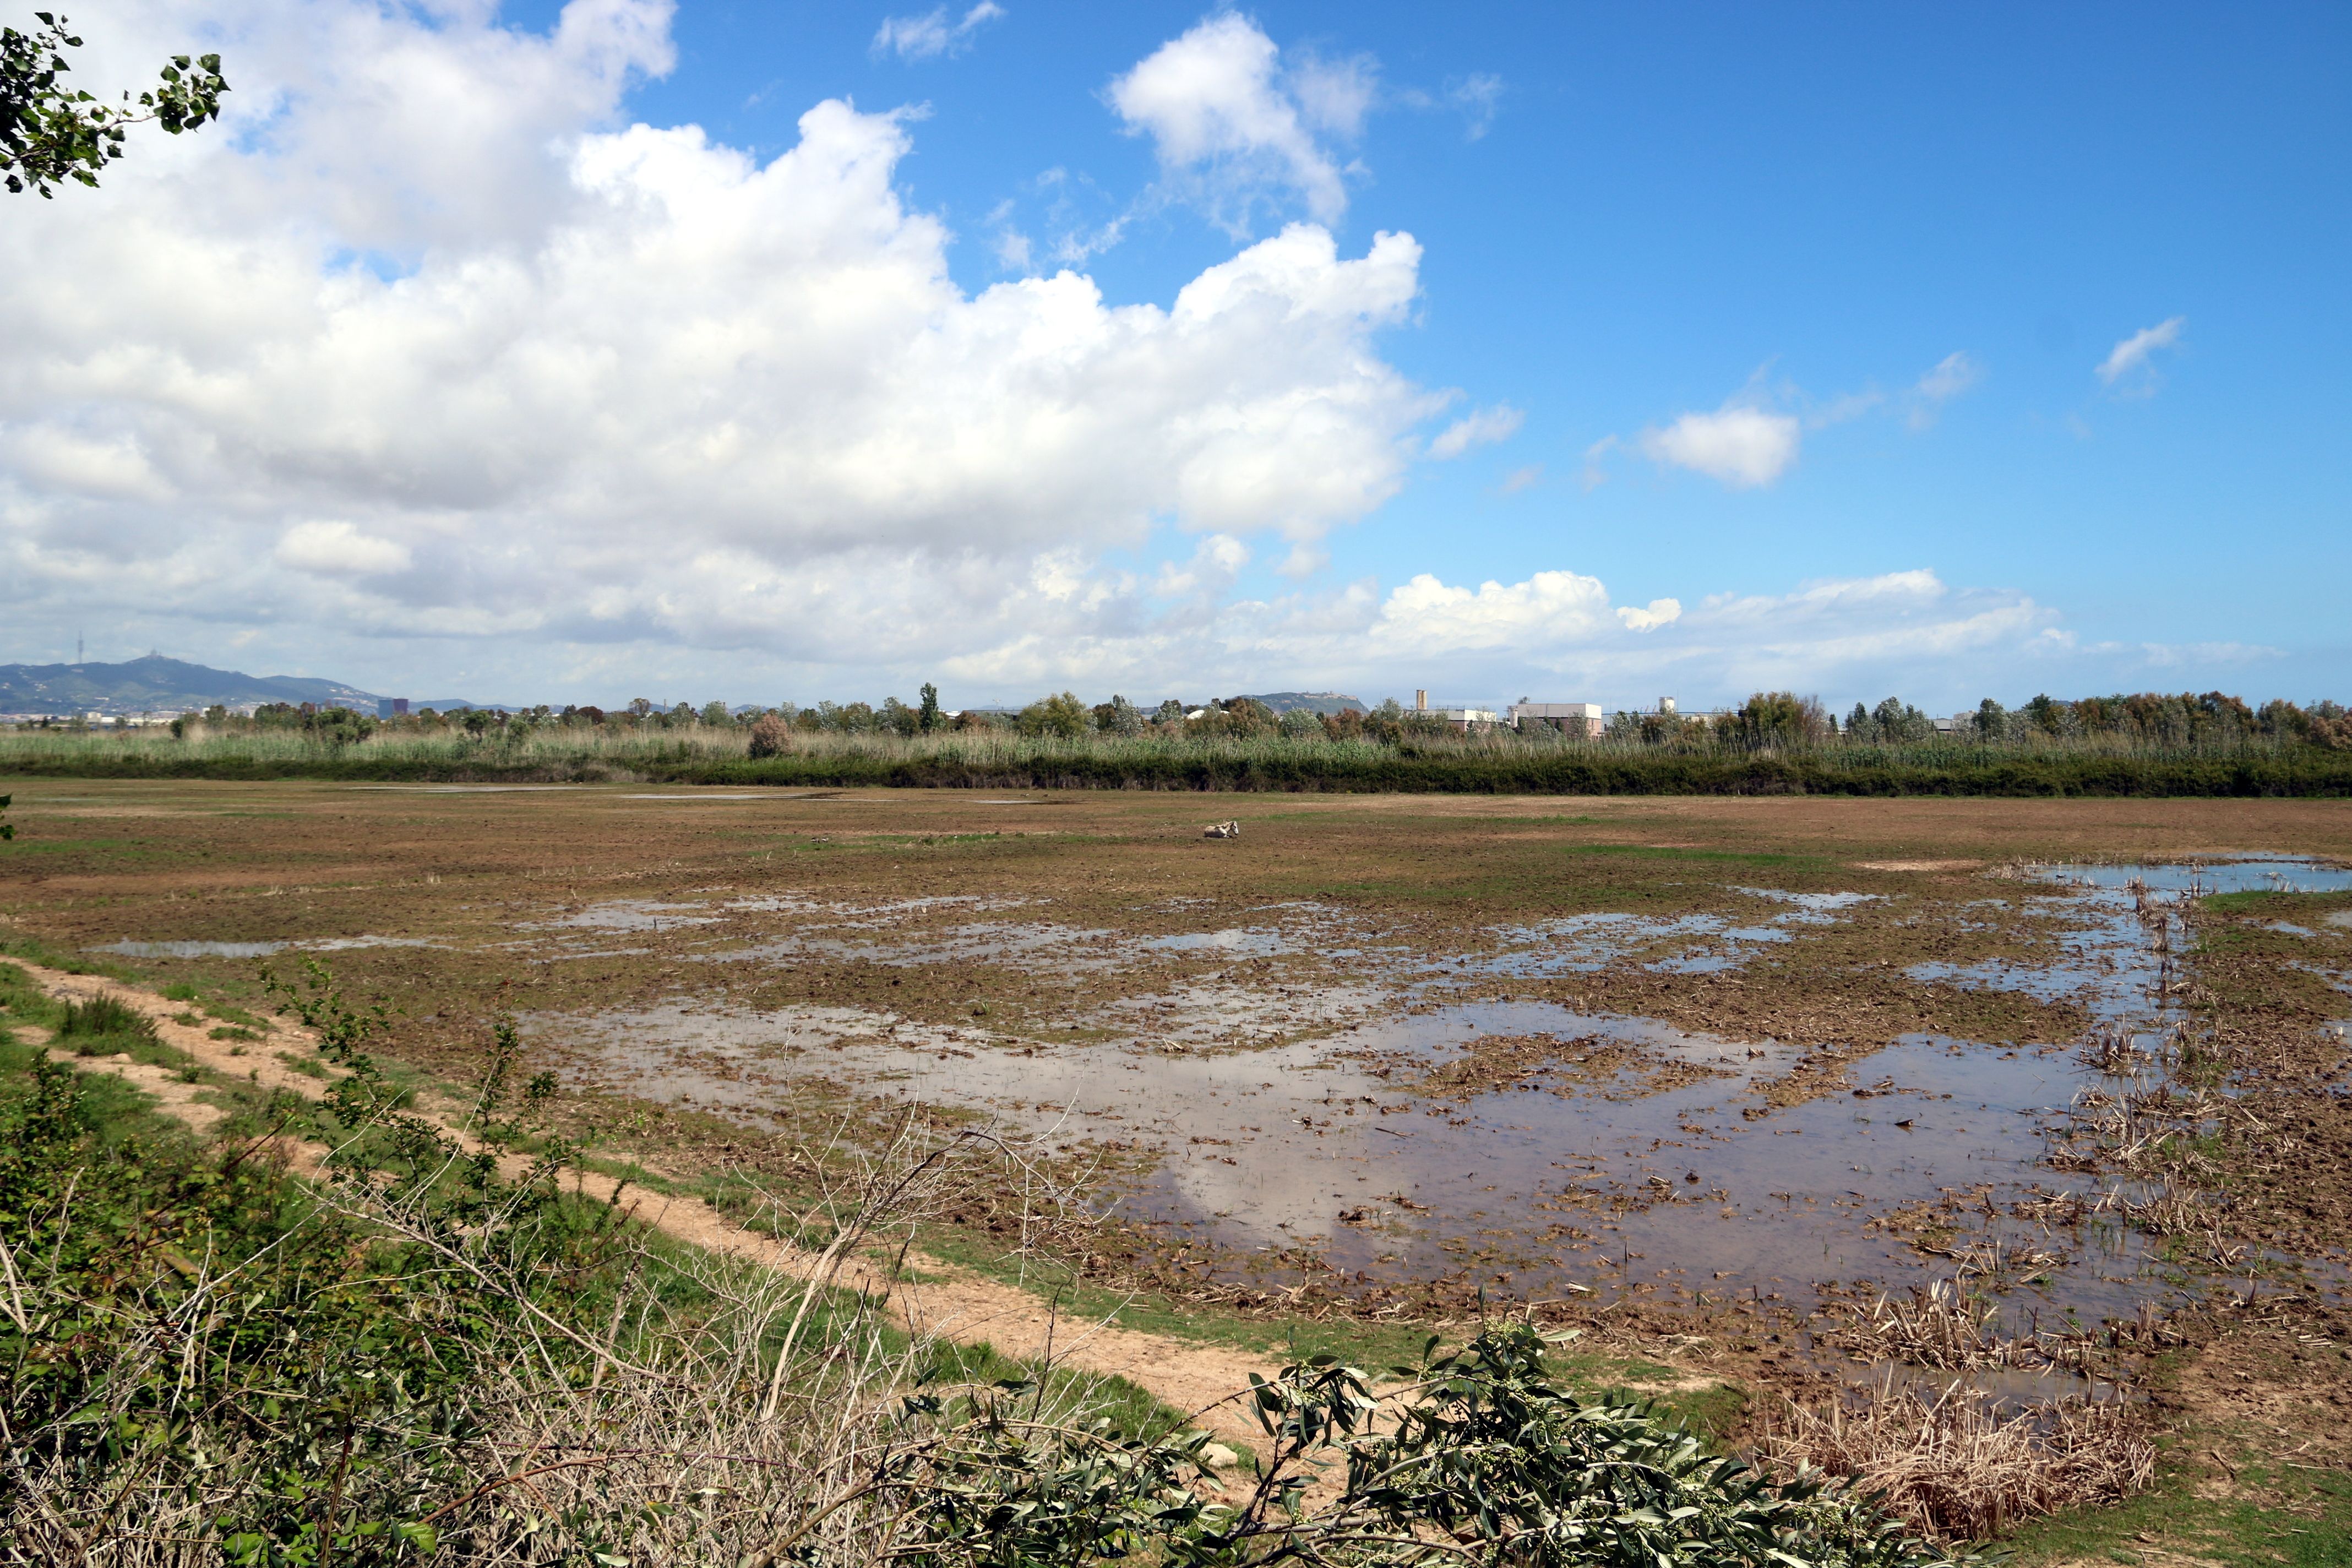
429,368
1478,428
2128,364
1230,124
1742,445
1427,616
653,392
932,36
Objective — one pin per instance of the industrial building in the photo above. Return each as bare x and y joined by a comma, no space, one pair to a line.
1582,719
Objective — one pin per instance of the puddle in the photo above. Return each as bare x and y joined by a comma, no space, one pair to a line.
1236,941
1820,906
2118,956
1704,943
2235,874
1578,944
981,942
907,932
194,949
1565,1174
1359,1109
254,948
628,915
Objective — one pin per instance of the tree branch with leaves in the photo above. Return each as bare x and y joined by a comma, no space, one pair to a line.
50,132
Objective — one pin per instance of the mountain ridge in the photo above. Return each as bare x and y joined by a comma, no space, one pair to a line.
157,684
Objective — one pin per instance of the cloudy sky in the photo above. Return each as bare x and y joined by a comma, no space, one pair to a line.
769,350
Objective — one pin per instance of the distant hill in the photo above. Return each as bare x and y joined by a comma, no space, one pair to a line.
1320,702
170,685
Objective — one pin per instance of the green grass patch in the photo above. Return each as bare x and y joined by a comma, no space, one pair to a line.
21,1002
32,950
2261,903
1668,852
103,1026
2310,1526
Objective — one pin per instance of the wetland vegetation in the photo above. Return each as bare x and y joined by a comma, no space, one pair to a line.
2150,744
1992,1152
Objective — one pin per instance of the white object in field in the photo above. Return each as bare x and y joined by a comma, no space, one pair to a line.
1222,830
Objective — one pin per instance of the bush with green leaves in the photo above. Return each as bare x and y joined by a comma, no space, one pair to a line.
50,132
1480,1458
1062,717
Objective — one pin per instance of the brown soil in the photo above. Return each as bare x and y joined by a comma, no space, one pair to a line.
1589,1064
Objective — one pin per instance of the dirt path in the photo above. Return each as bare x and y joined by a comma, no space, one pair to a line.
950,1302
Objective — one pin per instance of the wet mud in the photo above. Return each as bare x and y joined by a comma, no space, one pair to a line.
1397,1134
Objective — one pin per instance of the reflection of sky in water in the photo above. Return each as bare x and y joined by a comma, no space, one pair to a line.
1520,1184
1584,944
193,949
2111,966
903,932
2239,874
254,948
1266,1106
628,915
1256,942
983,943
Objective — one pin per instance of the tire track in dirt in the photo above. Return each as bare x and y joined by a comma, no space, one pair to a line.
946,1301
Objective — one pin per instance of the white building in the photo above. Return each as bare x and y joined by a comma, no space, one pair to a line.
1584,719
1465,719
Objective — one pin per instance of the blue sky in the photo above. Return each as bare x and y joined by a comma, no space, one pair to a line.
1794,321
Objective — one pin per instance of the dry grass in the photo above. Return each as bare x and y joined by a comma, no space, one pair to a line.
1962,1468
1943,1326
719,1412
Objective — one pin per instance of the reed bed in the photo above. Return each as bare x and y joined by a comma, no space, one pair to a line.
1961,1467
1503,761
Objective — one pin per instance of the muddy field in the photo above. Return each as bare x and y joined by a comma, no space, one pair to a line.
1384,1052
